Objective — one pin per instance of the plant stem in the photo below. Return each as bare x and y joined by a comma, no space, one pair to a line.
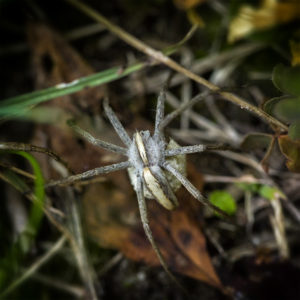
159,56
35,266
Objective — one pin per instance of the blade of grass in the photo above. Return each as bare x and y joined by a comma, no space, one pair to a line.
79,247
36,213
38,196
34,267
11,260
18,105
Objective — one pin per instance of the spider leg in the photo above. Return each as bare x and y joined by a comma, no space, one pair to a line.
160,111
171,116
90,173
192,189
116,124
195,149
147,229
185,150
94,141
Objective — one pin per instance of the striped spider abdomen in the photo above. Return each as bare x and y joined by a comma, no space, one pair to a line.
147,155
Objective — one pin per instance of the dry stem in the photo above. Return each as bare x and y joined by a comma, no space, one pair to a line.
159,56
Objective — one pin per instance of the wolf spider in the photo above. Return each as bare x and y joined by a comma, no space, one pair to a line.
156,168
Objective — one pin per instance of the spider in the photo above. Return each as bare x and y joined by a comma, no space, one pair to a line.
156,168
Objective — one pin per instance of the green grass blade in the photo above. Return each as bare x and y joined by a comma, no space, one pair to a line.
18,105
10,262
36,213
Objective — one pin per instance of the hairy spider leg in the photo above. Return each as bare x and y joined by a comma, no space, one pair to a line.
196,149
171,116
116,124
90,173
185,150
160,111
145,221
192,189
105,145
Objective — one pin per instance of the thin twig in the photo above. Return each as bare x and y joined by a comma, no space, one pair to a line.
196,118
230,179
199,66
34,267
277,222
159,56
249,211
264,161
11,146
294,211
80,251
18,171
110,264
74,290
244,159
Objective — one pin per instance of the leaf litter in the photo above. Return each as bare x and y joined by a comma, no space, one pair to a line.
110,208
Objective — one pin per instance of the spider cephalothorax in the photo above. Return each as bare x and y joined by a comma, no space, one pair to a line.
156,168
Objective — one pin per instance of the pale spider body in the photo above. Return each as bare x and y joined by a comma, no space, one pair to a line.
147,155
156,168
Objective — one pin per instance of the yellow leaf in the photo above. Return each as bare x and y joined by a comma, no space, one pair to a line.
187,4
269,14
194,17
295,49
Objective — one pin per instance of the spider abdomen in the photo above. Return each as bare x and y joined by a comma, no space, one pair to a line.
147,156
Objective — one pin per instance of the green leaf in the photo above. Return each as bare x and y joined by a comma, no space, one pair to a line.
294,131
285,108
287,79
251,187
256,141
224,201
288,109
16,106
269,105
267,192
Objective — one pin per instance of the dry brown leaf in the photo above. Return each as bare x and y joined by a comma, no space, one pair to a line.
113,221
54,62
291,150
268,14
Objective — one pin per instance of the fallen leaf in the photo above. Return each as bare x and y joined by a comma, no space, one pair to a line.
291,150
268,14
110,208
55,61
113,221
